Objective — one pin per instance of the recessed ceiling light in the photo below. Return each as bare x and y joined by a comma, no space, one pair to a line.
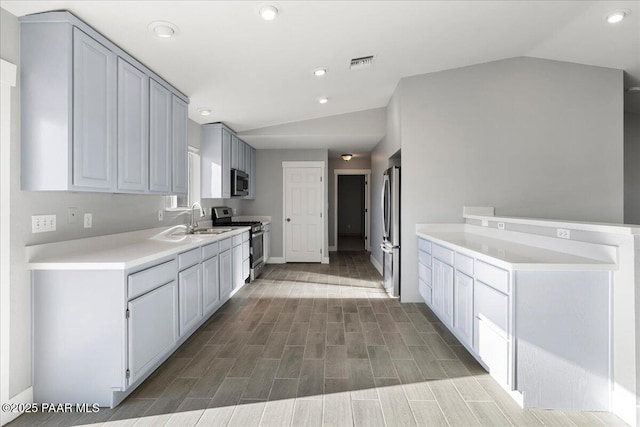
204,111
319,72
268,13
617,15
163,29
323,100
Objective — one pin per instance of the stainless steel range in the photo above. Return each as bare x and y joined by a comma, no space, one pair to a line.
222,216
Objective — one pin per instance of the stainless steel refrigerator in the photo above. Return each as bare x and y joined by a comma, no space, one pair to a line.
391,231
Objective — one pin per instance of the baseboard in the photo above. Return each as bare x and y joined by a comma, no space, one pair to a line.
24,397
276,260
325,260
376,264
333,248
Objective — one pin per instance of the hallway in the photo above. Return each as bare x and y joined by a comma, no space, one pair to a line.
313,345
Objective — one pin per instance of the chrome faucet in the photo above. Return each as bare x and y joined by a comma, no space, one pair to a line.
193,224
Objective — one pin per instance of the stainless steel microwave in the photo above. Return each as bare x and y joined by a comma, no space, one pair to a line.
239,183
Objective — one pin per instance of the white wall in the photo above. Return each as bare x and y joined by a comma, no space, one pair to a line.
269,191
357,162
531,137
632,168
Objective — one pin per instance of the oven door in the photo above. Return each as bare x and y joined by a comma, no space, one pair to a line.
257,249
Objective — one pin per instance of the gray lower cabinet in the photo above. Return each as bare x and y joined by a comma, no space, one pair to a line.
179,142
160,146
215,162
210,283
226,272
133,128
94,107
238,270
152,328
443,290
94,118
190,286
463,308
267,242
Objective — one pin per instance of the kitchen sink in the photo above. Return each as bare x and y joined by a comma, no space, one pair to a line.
210,230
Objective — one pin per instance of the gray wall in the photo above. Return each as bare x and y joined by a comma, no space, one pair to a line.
632,168
358,162
530,137
269,190
351,205
112,213
379,162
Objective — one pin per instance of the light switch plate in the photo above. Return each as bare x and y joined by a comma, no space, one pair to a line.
563,233
43,223
88,220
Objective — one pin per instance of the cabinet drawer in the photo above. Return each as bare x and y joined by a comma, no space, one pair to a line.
245,236
425,292
424,258
225,244
210,250
189,258
492,276
464,264
424,245
237,240
443,254
492,307
146,280
424,273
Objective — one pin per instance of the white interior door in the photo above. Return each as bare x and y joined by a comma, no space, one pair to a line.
303,194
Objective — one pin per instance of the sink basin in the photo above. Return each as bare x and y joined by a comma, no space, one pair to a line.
211,230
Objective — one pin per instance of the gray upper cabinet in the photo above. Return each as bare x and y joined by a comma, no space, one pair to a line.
93,117
133,128
220,151
252,173
160,146
180,179
94,107
235,152
215,162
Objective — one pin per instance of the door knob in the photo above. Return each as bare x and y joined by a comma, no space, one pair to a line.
288,219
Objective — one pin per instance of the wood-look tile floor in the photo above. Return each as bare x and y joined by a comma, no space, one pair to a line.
320,345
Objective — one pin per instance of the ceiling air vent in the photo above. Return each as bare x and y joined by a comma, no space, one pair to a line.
360,63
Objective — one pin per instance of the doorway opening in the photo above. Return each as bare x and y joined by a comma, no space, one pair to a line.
352,215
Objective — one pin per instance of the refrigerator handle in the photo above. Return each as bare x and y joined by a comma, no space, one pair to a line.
386,249
385,215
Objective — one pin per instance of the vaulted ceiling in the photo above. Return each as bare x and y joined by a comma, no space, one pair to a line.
253,73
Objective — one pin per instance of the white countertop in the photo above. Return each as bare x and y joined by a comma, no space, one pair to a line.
507,254
120,251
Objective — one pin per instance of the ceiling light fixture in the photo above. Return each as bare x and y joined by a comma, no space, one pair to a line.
617,15
346,157
319,72
323,100
204,111
163,29
268,13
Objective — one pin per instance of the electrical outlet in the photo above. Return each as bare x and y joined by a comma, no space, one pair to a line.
72,215
501,226
563,233
485,223
88,220
43,223
160,215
